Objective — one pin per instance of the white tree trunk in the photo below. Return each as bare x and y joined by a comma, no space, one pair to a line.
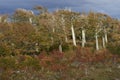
0,19
73,35
30,20
52,39
60,48
83,38
106,39
103,40
5,20
53,30
66,39
37,49
63,21
97,45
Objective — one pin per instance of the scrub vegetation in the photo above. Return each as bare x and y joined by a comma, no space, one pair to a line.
59,45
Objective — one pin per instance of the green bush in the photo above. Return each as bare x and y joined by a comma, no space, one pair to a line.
4,50
31,62
7,62
114,48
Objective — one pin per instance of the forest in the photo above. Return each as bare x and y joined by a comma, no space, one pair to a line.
59,45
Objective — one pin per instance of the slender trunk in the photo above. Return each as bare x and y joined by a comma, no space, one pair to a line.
73,35
60,48
30,20
53,30
36,47
52,39
66,39
103,40
83,38
86,71
106,39
5,20
97,45
0,19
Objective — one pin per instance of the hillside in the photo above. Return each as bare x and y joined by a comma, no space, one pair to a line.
59,45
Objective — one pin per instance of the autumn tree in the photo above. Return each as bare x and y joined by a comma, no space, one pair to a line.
23,15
